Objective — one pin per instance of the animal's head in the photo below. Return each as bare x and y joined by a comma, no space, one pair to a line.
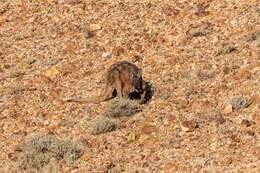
136,79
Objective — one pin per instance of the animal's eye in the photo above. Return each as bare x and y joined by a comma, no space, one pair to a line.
130,74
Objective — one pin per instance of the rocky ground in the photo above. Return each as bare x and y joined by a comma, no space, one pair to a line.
202,59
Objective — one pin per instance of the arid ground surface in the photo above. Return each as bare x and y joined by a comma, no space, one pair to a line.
201,58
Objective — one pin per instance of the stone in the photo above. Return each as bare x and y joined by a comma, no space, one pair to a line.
51,72
95,27
227,109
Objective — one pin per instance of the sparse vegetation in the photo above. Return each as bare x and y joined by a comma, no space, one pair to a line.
204,75
107,122
103,125
200,31
239,102
197,55
40,148
226,50
122,107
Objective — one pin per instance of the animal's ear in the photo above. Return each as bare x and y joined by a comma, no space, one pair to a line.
130,74
139,73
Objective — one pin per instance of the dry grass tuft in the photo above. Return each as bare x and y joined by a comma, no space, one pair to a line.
204,75
107,121
103,125
122,107
226,50
239,102
200,31
40,148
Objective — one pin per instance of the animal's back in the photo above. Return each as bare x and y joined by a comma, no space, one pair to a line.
122,68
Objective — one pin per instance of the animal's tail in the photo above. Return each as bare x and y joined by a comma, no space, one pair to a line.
87,100
107,94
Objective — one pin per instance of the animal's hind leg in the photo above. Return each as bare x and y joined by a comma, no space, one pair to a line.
108,93
127,89
126,83
118,85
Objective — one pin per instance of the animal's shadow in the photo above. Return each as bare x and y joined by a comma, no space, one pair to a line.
148,93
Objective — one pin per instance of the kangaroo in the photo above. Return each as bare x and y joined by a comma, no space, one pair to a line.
124,77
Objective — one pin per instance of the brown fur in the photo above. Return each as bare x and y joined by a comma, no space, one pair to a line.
124,77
